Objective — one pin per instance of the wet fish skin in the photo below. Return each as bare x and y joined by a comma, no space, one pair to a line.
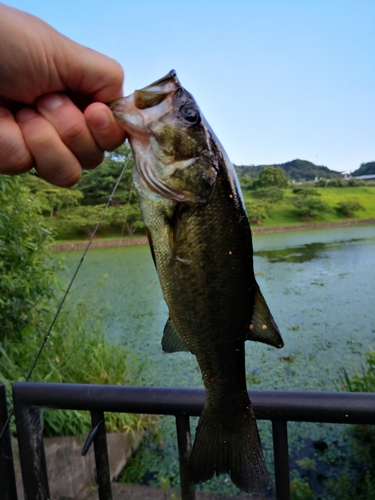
201,243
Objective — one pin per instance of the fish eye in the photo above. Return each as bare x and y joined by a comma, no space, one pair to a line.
190,115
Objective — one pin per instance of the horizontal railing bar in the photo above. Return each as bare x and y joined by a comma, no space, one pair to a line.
313,406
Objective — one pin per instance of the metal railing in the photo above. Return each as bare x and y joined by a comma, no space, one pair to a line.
277,406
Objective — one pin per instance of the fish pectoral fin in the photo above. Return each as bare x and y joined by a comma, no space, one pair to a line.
171,341
263,327
149,237
175,230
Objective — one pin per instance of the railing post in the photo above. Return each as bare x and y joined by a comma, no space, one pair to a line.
8,490
31,449
281,456
103,475
184,448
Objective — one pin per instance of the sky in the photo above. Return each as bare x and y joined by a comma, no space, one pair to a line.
276,79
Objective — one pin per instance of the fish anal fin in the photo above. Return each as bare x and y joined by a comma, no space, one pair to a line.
171,341
263,327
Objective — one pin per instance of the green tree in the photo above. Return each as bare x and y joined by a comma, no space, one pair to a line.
96,185
83,218
257,210
349,208
52,198
305,192
27,271
310,206
270,194
354,183
336,183
271,176
246,182
127,217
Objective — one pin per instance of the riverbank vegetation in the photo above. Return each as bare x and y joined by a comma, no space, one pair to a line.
271,199
78,350
359,478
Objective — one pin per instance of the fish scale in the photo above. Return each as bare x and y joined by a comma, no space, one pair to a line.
201,242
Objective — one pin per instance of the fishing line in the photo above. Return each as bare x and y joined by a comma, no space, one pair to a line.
117,253
61,304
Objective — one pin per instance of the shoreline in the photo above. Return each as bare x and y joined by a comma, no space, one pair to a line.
142,240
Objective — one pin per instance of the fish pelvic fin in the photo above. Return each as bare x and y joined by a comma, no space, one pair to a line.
263,327
171,341
231,445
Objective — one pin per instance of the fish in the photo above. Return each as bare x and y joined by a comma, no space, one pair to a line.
200,240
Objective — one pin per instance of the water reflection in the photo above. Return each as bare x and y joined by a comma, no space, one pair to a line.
303,253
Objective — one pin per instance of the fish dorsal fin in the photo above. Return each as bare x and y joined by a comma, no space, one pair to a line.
171,341
263,327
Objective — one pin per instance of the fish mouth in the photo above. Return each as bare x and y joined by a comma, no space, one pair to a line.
163,84
146,105
151,95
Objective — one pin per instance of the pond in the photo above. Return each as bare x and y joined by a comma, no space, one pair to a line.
319,287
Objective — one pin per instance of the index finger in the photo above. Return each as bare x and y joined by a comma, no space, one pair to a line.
91,73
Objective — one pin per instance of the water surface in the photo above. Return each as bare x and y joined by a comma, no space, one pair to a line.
318,284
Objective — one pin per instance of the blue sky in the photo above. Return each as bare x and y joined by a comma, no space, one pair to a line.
277,80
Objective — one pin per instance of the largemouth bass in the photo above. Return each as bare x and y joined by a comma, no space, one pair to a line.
201,243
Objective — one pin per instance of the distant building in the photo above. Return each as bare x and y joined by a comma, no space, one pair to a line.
371,177
364,177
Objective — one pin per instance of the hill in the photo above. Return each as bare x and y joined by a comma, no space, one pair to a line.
297,170
365,169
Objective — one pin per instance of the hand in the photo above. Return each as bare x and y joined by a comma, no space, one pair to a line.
52,95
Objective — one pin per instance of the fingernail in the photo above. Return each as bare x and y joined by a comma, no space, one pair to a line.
51,101
25,114
99,120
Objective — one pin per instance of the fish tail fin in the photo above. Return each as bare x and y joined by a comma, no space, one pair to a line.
230,445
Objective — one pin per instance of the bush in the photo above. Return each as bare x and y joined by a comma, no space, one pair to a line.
361,487
28,277
349,208
257,210
310,206
337,183
355,183
78,350
271,194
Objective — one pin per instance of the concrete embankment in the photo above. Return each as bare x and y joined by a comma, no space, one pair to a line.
142,240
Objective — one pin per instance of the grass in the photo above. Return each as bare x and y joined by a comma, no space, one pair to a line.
284,213
78,351
360,483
